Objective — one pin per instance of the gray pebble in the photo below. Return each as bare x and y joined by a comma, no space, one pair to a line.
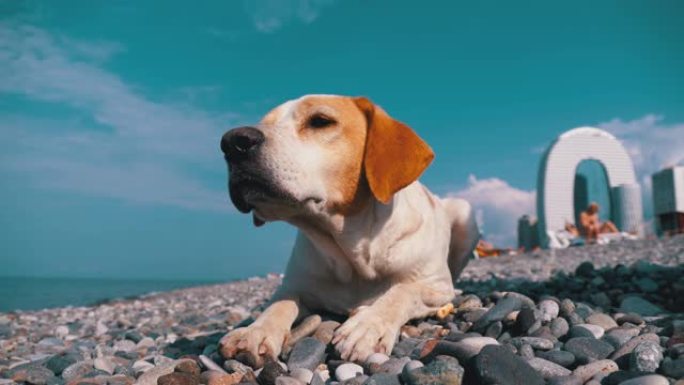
586,330
307,353
652,379
639,305
560,357
646,357
587,349
526,352
547,369
559,327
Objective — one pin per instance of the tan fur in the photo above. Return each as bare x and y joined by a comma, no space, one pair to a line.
395,156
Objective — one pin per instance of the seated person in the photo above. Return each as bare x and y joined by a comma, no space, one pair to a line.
591,226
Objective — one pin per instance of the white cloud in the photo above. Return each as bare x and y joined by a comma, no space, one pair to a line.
651,142
151,152
498,206
271,15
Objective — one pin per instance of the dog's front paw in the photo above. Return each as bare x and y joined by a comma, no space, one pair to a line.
363,334
255,343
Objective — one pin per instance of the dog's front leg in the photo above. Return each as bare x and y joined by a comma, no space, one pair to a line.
375,328
265,337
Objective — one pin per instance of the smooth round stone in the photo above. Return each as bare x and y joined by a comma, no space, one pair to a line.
469,302
646,357
285,380
394,365
619,336
497,365
549,310
141,366
559,327
59,362
526,352
534,342
605,321
565,380
377,359
347,370
78,369
177,378
586,330
302,374
641,306
652,379
442,370
270,372
587,349
465,348
124,346
583,310
632,318
383,379
560,357
413,364
494,329
575,319
307,353
526,319
325,331
673,368
547,369
235,366
629,346
585,372
567,307
215,377
62,331
105,364
502,308
33,374
585,269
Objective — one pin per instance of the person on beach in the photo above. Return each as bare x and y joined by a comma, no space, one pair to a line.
591,226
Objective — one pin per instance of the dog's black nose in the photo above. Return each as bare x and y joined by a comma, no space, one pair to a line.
238,143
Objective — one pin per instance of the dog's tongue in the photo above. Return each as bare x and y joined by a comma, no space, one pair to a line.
257,221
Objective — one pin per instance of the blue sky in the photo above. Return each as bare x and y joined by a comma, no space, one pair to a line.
111,112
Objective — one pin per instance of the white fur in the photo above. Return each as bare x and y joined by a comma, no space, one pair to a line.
386,264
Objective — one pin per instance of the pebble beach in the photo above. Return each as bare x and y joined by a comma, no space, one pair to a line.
591,315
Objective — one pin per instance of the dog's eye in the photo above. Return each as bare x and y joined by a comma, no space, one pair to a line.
320,121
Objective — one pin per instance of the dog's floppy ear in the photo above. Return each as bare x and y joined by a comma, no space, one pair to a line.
395,156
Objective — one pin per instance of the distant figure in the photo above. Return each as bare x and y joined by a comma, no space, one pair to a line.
572,229
591,226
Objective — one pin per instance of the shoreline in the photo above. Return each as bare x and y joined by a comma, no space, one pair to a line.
140,340
538,265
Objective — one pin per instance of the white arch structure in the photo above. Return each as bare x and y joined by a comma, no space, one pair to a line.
555,181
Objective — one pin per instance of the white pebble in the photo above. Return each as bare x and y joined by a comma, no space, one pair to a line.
376,358
595,330
302,374
347,371
651,379
549,310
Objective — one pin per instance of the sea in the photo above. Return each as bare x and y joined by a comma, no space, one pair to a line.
18,293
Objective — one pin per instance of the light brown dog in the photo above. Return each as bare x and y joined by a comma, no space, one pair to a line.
372,242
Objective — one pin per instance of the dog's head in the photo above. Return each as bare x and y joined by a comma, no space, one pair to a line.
321,153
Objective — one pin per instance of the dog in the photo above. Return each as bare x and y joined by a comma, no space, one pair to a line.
373,242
